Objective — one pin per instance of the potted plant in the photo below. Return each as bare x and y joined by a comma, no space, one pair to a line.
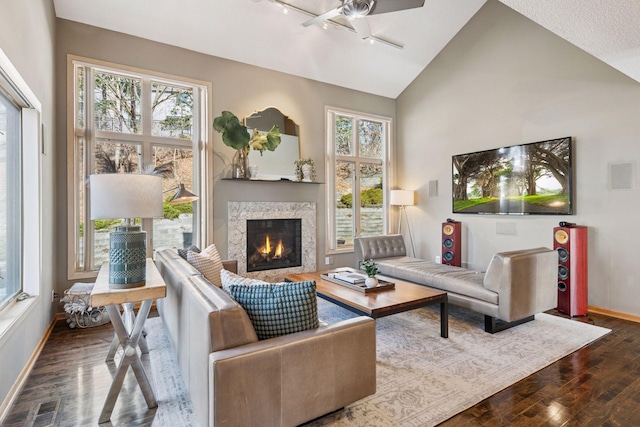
371,269
305,170
237,136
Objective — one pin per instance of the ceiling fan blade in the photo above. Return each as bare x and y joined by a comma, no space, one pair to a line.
386,6
361,26
325,16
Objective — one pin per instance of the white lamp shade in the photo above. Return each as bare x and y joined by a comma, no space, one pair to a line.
125,195
402,198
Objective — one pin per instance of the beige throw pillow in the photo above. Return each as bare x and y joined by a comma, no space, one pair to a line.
208,263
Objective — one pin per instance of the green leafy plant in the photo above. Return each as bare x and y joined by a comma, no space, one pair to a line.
171,211
236,135
370,268
305,161
368,198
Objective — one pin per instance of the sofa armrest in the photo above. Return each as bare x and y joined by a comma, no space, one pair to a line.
294,378
526,282
231,265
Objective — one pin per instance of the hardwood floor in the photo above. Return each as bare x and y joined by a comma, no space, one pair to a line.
598,385
70,380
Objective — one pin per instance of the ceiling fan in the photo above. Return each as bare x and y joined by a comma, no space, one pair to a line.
356,10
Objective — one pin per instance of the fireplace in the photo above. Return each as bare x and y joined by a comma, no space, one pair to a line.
273,243
241,212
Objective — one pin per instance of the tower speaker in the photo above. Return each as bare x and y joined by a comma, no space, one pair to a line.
451,247
570,241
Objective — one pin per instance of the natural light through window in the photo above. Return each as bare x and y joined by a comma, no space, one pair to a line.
357,159
126,122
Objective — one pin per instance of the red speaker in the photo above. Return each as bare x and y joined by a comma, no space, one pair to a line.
571,244
451,248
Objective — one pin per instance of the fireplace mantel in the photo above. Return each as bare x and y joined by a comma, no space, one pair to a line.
240,212
272,181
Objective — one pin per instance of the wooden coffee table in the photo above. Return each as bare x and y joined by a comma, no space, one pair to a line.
404,297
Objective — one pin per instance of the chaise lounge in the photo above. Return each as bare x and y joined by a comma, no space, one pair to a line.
516,285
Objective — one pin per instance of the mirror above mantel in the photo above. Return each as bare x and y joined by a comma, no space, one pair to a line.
277,164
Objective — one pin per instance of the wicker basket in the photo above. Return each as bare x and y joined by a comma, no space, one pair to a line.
78,308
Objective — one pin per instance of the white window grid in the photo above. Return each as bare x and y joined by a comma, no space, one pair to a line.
145,140
332,158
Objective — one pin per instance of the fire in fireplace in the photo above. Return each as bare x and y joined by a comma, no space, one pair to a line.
273,243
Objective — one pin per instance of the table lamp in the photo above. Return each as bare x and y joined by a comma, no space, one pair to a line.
128,196
403,198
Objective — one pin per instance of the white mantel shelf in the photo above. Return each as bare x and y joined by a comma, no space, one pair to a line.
280,181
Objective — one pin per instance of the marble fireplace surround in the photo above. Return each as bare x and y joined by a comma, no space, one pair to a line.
240,212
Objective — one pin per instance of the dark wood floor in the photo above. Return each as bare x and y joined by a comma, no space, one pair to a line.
598,385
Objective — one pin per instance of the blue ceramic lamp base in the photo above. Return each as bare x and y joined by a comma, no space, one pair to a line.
127,257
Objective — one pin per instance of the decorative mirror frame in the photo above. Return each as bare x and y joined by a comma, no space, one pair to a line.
280,163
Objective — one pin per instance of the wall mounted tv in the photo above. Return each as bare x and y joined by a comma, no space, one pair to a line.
527,179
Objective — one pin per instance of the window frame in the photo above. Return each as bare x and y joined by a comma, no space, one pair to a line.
332,158
199,143
32,147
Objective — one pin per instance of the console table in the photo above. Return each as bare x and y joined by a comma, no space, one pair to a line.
128,337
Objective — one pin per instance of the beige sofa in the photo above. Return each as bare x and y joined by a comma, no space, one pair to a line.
516,285
235,380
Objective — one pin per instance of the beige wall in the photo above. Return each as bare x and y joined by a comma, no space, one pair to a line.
504,80
238,88
27,32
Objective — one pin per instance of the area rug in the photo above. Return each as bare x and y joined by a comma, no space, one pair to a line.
423,379
174,405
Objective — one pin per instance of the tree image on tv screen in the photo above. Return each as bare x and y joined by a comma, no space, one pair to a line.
522,179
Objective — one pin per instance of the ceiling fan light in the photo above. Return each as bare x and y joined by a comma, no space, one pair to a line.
357,8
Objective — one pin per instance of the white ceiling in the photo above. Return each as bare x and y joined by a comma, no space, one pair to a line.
258,32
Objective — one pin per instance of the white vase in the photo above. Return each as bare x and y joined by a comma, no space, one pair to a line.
371,282
306,172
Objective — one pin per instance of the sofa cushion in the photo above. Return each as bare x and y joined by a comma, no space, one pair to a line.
228,278
208,262
278,308
445,277
229,325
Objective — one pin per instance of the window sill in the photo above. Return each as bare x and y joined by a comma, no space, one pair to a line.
82,275
348,250
15,313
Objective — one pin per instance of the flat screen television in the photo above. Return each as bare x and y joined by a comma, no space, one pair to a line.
526,179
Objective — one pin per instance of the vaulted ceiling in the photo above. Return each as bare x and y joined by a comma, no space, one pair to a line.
259,32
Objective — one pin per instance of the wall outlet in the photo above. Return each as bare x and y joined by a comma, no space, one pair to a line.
328,260
438,259
54,296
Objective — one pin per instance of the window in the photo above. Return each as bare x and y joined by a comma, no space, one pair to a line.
125,121
10,203
357,159
20,209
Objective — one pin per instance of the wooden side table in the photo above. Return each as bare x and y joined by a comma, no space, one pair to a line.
103,295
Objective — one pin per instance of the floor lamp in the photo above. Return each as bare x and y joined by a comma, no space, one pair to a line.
403,198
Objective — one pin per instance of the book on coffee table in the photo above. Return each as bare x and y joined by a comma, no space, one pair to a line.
351,277
355,280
